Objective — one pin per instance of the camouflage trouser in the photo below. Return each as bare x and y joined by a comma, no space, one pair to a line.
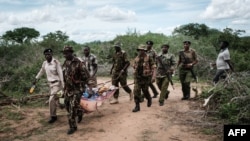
123,82
141,84
185,78
95,80
162,83
152,87
72,104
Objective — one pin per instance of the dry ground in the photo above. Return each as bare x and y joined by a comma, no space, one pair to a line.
175,121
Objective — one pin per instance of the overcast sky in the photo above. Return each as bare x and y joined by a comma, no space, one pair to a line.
91,20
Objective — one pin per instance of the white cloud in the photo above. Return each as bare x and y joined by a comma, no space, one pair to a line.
36,16
113,13
85,20
240,22
222,9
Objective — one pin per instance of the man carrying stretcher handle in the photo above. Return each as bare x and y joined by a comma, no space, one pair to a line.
119,72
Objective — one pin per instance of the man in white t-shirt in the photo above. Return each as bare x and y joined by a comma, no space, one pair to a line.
223,63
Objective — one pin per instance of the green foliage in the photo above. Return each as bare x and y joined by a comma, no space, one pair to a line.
244,44
209,131
21,62
21,35
193,29
229,112
56,40
240,60
231,99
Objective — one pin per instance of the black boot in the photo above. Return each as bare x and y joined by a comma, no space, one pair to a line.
166,97
161,103
137,106
52,119
149,102
79,115
71,130
79,118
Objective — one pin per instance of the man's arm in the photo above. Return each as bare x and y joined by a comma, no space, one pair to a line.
95,66
60,72
230,65
153,66
173,63
179,61
111,70
40,73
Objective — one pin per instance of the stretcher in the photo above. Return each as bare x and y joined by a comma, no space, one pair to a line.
92,103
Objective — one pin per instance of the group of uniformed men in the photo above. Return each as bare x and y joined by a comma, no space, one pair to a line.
148,67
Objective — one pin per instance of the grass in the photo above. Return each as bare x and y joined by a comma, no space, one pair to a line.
209,131
5,127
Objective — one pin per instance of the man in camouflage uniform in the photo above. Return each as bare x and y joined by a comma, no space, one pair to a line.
75,78
144,66
90,62
119,72
165,66
151,52
187,59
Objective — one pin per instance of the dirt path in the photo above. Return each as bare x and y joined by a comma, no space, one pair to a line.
175,121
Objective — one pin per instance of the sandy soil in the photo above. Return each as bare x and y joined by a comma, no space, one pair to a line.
177,120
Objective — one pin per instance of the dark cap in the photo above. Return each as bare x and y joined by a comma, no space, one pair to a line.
149,42
188,42
48,50
67,49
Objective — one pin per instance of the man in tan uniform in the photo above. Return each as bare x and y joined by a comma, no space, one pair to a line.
53,70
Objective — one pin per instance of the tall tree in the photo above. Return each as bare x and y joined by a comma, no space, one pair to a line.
57,36
192,29
21,35
55,40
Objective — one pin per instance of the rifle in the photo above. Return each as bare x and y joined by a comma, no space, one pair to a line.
165,70
191,69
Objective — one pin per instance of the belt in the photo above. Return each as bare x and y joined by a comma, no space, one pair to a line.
54,81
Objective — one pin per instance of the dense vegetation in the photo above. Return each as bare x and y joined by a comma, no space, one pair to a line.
22,55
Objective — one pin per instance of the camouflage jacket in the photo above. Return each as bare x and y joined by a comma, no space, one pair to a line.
119,61
75,76
168,60
143,67
90,61
152,53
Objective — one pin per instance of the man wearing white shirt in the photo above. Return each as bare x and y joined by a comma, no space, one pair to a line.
223,63
53,70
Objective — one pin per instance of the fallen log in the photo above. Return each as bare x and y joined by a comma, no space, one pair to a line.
8,100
